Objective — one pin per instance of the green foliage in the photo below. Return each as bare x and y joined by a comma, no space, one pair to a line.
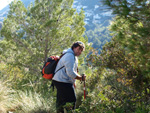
30,36
43,29
124,75
110,91
20,94
98,37
132,30
126,58
117,79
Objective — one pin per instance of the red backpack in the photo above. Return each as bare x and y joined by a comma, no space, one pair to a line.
49,67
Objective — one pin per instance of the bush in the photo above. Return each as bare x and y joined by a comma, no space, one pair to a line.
111,94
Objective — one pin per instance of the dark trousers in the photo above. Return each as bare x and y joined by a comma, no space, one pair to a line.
65,94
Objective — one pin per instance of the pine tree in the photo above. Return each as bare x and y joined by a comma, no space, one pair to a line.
44,28
131,29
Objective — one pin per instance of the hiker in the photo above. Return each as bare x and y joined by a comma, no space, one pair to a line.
64,79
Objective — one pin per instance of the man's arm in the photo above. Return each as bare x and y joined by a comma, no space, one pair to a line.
69,65
81,77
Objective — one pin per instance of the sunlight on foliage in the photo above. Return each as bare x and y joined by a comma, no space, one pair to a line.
7,101
31,102
25,102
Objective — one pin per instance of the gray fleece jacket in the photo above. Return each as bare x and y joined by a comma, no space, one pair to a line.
69,72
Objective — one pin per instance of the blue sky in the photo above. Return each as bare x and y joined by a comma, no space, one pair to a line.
4,3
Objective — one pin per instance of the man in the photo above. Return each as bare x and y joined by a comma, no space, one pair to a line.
65,77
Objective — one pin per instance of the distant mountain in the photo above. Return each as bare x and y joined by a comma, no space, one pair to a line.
95,12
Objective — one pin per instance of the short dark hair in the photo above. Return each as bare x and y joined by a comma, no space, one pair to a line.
78,43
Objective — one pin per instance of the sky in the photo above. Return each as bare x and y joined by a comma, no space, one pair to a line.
4,3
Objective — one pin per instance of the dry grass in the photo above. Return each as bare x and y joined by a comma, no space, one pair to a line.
23,102
32,102
6,97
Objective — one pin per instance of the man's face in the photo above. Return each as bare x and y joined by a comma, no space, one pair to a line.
77,51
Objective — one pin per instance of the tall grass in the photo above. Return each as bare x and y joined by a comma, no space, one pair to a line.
19,93
6,98
24,102
32,102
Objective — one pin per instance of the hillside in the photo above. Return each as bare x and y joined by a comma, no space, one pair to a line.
97,19
117,79
95,12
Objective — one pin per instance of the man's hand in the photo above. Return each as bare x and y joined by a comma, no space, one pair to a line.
82,77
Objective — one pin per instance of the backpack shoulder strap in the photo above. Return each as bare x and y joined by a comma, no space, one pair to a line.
60,58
